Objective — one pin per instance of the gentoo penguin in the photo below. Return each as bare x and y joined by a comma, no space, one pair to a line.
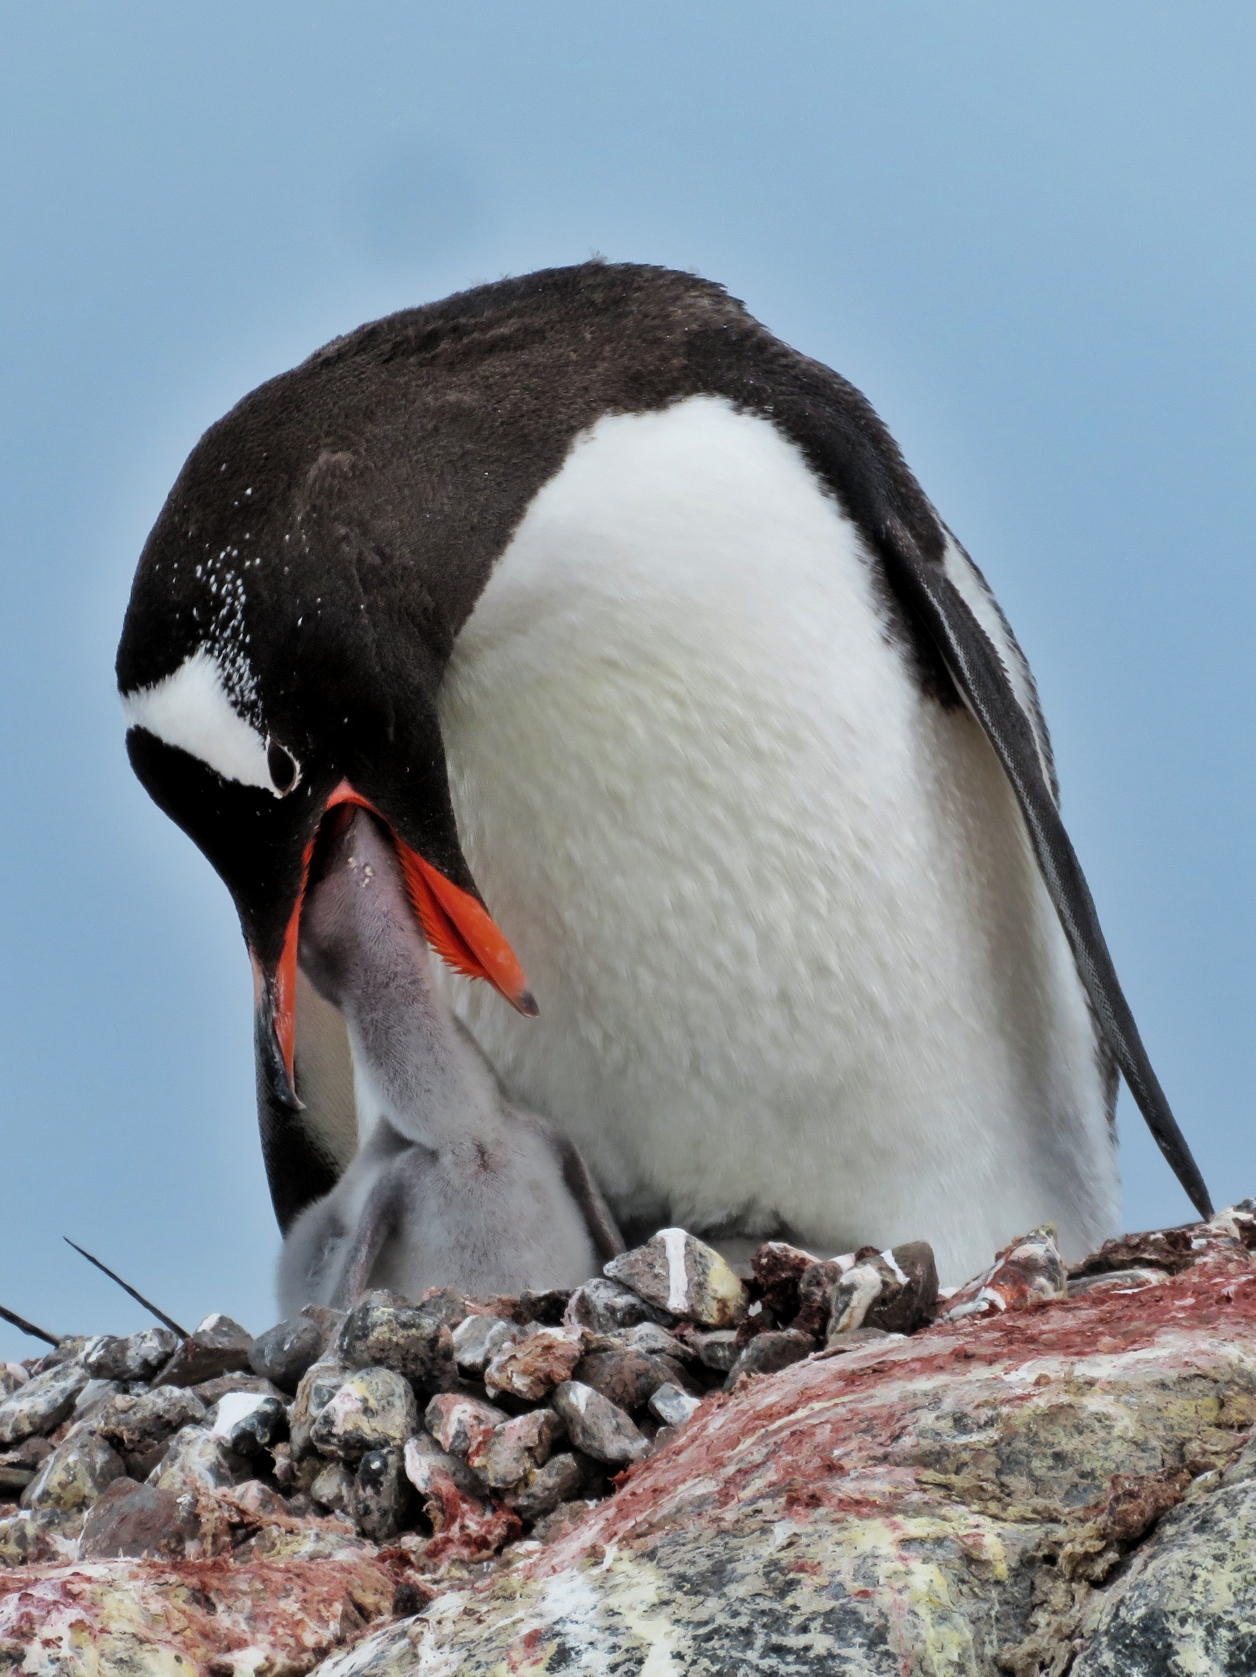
633,628
452,1185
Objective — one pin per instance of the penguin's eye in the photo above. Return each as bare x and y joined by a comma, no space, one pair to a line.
282,765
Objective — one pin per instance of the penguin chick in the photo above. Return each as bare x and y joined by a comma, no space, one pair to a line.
452,1185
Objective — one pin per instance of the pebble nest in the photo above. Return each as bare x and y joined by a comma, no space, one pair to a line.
450,1427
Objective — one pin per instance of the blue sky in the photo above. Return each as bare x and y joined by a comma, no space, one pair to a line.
1026,232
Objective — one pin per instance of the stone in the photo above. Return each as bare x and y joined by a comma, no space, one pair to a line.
1169,1250
558,1480
718,1350
517,1448
654,1340
74,1475
22,1540
678,1273
597,1427
911,1302
248,1422
14,1479
372,1410
67,1350
210,1391
333,1487
672,1406
380,1494
427,1465
138,1356
93,1395
534,1365
255,1497
1028,1270
547,1307
12,1375
39,1534
1116,1279
217,1346
20,1464
134,1424
317,1386
627,1377
195,1460
443,1304
864,1276
604,1306
461,1424
769,1352
283,1353
815,1298
413,1341
477,1339
778,1268
43,1402
139,1522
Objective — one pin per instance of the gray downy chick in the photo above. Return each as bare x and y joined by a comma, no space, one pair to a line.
452,1185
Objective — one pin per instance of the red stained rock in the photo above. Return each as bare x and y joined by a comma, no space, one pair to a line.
97,1615
533,1367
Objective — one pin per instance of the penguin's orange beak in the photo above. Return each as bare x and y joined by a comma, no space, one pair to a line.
456,924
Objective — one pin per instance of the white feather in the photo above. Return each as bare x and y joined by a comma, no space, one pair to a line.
190,709
794,959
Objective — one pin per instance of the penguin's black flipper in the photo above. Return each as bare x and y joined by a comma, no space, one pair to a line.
979,674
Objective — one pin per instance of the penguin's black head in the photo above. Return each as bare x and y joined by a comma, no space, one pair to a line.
281,655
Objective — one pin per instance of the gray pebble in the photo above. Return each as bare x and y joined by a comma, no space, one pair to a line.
718,1350
677,1272
477,1339
283,1353
672,1406
384,1332
380,1495
74,1475
372,1410
318,1385
770,1351
195,1460
518,1447
604,1306
560,1479
596,1426
333,1487
248,1421
42,1403
137,1357
217,1346
134,1423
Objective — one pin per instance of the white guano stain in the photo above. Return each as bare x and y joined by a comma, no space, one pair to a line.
677,1280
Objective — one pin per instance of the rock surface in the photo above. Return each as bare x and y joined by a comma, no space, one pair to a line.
1048,1484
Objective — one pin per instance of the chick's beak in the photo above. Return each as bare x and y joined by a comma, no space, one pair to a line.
455,923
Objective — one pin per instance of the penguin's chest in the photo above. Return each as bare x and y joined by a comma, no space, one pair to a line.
772,900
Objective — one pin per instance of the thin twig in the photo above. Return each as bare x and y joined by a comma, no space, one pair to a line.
28,1327
138,1297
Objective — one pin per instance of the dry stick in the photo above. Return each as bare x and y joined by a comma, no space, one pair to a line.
27,1327
138,1297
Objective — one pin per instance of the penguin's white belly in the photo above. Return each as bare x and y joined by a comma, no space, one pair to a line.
793,956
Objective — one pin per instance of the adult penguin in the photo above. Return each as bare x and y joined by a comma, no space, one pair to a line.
632,625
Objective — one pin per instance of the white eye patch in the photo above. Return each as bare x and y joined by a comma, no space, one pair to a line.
191,710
